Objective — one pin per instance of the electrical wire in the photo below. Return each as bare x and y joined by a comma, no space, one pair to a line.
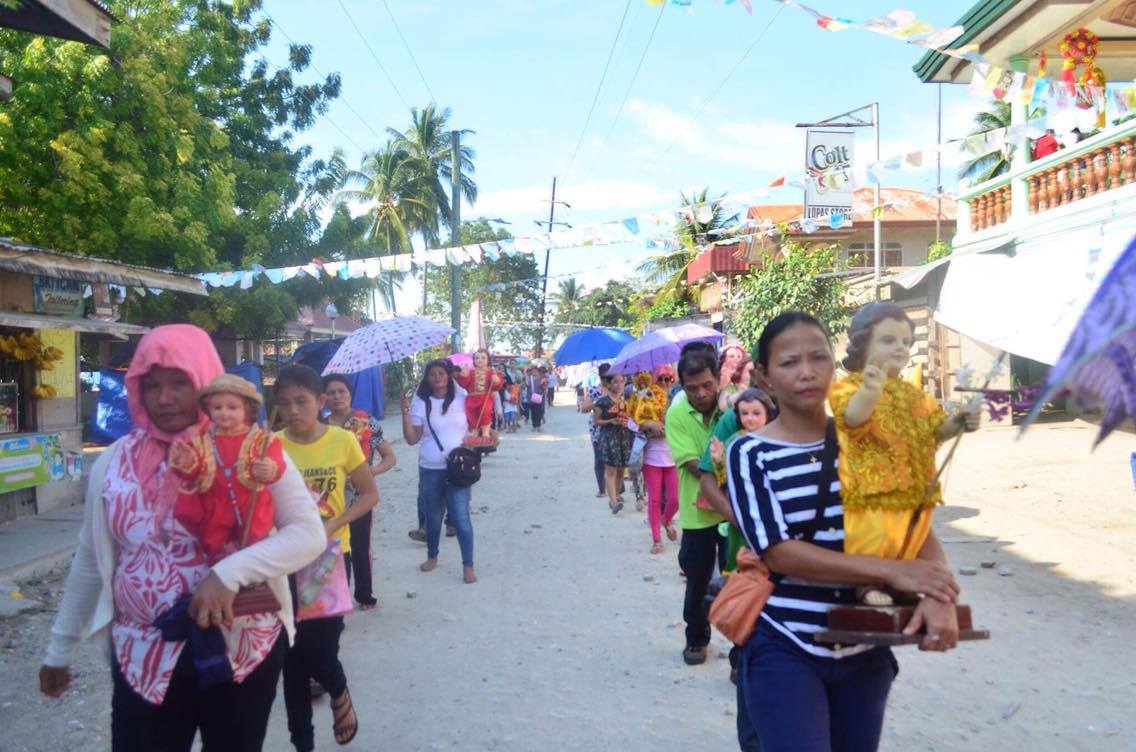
722,83
408,51
367,44
627,94
342,98
596,97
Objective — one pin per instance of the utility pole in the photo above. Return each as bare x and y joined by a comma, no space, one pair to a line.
547,257
455,239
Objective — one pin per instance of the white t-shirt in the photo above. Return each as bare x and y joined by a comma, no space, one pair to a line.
451,429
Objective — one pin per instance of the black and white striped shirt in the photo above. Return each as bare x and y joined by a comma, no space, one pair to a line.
773,490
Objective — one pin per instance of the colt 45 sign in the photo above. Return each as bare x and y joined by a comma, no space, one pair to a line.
828,165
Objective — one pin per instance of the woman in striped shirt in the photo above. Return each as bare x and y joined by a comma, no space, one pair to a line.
803,695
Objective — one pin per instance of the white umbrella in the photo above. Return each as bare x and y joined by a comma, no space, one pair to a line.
386,341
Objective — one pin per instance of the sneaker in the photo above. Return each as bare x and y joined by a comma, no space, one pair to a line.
418,534
694,656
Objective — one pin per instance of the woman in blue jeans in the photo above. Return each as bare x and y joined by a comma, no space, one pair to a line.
803,695
435,421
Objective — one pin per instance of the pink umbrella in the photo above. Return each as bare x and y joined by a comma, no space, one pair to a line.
461,360
386,341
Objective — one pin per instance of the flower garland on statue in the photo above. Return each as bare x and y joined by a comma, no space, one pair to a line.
30,348
1079,48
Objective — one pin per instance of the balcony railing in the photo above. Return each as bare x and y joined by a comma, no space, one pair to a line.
1097,165
722,259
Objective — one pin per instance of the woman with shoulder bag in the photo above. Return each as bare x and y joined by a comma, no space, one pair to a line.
787,681
435,420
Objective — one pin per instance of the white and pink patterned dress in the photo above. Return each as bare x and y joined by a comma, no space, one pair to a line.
158,562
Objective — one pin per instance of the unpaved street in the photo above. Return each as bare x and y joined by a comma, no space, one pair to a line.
572,637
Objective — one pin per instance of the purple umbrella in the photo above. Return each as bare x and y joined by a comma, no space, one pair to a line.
1098,364
661,347
386,341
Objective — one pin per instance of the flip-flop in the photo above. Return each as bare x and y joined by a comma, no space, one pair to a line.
341,712
672,534
616,508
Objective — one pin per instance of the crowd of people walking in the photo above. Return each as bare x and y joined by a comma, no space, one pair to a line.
729,454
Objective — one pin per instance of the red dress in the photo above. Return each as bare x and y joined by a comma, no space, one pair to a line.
480,386
217,488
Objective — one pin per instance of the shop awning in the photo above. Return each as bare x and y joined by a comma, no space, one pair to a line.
80,20
93,326
28,259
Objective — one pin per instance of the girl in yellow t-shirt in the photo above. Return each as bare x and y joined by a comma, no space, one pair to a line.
888,431
326,456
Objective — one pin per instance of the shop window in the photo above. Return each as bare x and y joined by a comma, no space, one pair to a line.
861,255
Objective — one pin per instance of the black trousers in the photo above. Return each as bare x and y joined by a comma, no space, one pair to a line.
314,655
599,467
696,556
232,717
361,562
536,412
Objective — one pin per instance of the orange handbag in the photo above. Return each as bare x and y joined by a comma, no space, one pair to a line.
737,608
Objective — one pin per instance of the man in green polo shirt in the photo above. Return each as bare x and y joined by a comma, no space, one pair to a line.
689,423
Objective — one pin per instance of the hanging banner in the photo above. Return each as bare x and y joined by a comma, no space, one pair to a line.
30,460
829,156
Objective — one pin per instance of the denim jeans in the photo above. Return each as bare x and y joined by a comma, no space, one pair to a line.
803,703
437,497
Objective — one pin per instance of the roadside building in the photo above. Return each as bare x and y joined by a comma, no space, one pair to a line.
42,323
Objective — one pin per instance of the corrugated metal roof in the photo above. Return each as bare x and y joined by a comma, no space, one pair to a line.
40,321
29,259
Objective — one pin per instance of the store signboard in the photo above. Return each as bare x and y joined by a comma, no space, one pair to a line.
58,297
31,460
829,187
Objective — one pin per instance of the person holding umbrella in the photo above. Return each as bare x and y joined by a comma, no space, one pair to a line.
436,422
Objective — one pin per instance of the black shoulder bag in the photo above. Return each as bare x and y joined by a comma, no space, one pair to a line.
463,465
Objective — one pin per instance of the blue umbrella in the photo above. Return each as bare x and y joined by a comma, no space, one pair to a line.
597,343
1098,364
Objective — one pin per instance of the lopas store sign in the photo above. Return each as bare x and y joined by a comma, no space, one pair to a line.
828,164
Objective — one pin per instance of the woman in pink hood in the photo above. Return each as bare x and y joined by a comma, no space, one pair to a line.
135,563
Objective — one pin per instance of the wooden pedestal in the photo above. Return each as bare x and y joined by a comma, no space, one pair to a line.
883,625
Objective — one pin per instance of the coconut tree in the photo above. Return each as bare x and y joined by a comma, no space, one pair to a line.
988,166
427,146
700,219
386,184
569,294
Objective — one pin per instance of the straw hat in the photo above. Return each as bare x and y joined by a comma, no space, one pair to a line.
228,383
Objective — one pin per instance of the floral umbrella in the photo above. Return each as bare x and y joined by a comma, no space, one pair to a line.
1098,364
386,341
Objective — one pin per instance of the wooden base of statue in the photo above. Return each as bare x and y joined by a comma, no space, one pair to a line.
883,625
475,442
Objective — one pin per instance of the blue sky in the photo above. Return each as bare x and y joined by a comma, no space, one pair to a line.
523,75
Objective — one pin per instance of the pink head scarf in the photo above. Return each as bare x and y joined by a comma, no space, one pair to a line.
186,348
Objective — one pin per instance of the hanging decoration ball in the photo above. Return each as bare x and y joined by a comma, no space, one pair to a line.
1079,49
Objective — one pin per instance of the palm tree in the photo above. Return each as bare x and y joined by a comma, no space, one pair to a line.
386,184
988,166
569,294
698,223
427,145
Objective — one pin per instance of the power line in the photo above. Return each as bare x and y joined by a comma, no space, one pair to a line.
367,44
722,83
603,77
408,51
630,86
320,73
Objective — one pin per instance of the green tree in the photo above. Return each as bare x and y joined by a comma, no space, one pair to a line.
509,288
698,223
792,281
992,164
568,294
611,305
174,149
428,147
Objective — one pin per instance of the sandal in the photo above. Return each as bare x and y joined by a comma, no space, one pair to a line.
617,507
657,547
639,505
672,534
345,723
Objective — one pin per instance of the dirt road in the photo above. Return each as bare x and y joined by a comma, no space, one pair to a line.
572,637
